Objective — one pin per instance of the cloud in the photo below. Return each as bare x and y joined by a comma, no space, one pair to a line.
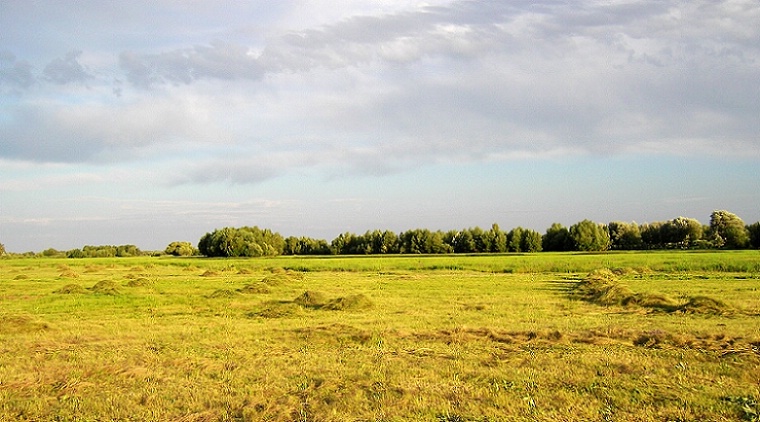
66,69
15,73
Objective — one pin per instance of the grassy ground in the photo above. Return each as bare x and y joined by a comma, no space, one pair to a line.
661,336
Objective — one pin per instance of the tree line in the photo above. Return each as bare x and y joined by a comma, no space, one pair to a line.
726,230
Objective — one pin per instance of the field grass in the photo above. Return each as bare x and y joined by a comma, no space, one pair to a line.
576,337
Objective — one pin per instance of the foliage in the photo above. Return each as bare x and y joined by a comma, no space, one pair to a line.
590,236
557,239
241,242
181,249
728,230
104,251
754,234
625,236
2,249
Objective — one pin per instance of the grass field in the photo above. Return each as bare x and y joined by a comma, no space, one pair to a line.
576,337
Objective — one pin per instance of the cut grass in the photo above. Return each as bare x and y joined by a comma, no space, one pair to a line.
432,344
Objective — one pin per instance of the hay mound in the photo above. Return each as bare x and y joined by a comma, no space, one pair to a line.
223,293
282,276
209,273
311,299
71,289
105,287
21,277
139,282
244,271
705,305
68,274
349,303
653,301
255,288
278,310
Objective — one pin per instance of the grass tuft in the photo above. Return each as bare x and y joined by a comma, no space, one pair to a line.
311,299
349,303
255,288
223,293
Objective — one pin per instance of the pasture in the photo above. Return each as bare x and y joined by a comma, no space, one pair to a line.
575,337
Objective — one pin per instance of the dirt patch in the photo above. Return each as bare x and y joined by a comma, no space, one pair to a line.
71,289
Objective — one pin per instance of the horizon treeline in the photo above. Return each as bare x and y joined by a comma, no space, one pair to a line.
725,231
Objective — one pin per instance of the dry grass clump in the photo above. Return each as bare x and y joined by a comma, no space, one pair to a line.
244,271
106,287
69,274
209,273
255,288
282,277
223,293
349,303
139,282
705,305
602,288
311,299
278,310
71,289
13,324
21,277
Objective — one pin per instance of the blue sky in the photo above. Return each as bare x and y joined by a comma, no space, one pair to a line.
147,122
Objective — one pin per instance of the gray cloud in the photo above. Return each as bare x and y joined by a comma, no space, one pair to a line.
15,73
66,69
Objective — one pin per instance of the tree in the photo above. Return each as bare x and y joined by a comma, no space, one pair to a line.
590,236
180,249
624,236
531,241
2,249
514,239
680,232
754,234
728,230
557,239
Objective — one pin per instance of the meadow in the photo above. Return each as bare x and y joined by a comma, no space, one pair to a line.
632,336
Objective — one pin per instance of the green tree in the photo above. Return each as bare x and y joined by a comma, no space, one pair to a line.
590,236
180,249
531,241
557,239
728,230
514,239
624,236
754,234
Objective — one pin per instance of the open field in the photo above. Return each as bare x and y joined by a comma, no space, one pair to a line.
629,336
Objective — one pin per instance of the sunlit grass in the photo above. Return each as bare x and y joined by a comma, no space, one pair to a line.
439,338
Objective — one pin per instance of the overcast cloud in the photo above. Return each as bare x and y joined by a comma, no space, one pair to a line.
243,96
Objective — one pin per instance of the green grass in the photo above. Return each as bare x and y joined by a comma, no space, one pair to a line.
442,338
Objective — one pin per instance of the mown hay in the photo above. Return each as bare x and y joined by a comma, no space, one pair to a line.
139,282
653,301
106,287
349,303
71,289
278,310
282,277
255,288
13,324
68,274
21,277
311,299
223,293
209,273
705,305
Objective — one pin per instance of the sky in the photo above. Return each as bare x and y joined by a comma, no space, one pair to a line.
146,122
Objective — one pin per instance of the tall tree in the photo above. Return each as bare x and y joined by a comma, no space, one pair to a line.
590,236
557,239
728,230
